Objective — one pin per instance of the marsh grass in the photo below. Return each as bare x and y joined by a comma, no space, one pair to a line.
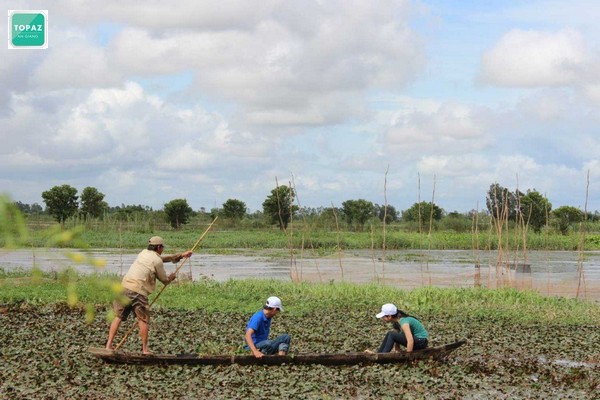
304,298
319,240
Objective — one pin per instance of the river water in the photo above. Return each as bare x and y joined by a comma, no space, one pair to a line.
560,273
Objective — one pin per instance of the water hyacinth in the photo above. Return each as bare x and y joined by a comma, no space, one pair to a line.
56,338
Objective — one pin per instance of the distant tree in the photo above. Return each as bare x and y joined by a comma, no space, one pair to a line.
24,208
214,213
501,203
535,209
279,206
234,209
178,212
424,209
564,216
457,222
327,217
61,202
36,209
390,212
128,212
92,203
358,211
592,216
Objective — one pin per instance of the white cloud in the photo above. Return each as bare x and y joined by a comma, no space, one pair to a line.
450,128
210,100
279,72
453,166
534,58
187,14
546,105
73,61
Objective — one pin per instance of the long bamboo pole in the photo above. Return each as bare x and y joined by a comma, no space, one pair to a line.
163,288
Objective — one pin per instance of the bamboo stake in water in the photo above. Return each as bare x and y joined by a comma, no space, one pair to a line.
309,238
163,288
430,228
337,230
582,237
385,206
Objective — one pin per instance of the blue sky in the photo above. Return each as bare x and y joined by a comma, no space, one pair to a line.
210,101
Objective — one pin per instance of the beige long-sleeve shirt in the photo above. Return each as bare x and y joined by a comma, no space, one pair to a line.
141,277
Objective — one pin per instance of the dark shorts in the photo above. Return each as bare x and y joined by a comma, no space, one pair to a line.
135,302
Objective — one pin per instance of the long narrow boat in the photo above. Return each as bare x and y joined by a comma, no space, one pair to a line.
120,357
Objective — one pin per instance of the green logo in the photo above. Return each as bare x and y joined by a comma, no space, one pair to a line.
29,29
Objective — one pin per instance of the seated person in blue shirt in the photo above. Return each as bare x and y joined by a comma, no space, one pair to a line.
257,331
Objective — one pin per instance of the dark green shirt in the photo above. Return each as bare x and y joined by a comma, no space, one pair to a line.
416,327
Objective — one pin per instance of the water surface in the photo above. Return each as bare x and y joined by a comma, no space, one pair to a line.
563,273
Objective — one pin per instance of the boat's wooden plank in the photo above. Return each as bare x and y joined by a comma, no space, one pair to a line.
111,356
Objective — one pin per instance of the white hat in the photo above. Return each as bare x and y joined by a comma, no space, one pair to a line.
387,309
274,302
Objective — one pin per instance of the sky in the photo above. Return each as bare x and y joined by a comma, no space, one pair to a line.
391,101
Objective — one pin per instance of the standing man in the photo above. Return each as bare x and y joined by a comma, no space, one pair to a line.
138,283
257,331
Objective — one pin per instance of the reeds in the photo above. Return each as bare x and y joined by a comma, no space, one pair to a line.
582,239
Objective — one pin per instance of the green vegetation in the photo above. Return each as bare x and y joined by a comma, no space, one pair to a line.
106,235
178,212
517,342
303,298
61,202
279,206
565,217
234,209
92,203
358,211
512,220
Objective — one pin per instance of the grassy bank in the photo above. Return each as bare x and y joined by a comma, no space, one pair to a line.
318,241
301,298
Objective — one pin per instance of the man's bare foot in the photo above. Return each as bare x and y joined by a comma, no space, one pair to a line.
369,351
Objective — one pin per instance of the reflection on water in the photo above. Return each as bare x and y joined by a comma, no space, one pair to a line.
551,272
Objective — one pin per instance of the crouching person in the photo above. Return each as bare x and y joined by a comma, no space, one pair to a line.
258,328
408,331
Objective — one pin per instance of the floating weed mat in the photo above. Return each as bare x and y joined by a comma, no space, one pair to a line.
44,355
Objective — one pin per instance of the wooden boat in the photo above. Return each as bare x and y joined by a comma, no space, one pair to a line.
120,357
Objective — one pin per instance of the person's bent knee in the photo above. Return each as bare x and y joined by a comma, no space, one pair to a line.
284,343
285,338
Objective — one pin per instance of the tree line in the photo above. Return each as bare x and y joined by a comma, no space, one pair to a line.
531,209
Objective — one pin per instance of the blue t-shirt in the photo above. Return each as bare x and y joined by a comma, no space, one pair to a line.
261,326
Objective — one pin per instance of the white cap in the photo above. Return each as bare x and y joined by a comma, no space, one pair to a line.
387,309
274,302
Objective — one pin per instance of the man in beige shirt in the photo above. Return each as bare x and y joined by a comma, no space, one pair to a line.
138,283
